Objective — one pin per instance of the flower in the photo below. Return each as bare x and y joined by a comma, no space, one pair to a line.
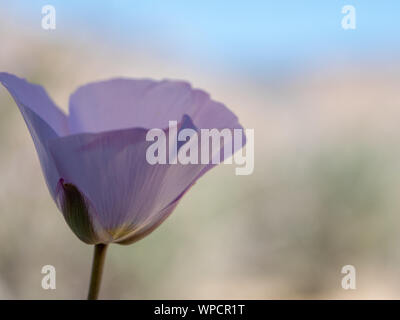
94,160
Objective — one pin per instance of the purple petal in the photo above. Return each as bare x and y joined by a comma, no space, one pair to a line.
127,103
35,98
111,171
146,228
44,121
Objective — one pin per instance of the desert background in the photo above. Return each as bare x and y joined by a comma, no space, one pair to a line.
324,104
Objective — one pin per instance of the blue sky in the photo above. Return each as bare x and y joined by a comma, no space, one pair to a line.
246,33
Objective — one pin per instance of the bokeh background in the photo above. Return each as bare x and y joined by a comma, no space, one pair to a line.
325,106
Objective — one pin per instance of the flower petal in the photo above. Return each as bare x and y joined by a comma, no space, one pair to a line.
146,228
35,98
44,120
127,103
111,170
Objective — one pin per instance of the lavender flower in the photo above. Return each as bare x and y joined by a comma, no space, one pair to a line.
94,161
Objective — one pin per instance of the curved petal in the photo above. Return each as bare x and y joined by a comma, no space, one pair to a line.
126,103
149,226
44,120
35,98
111,170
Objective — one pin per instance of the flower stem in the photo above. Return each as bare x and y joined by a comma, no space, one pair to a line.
97,270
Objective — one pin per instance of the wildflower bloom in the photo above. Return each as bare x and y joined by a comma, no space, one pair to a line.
94,159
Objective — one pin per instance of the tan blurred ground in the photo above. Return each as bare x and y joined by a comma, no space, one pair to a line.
324,192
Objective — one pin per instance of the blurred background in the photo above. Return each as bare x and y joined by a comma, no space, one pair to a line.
324,103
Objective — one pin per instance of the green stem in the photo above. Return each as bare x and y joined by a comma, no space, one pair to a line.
97,270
